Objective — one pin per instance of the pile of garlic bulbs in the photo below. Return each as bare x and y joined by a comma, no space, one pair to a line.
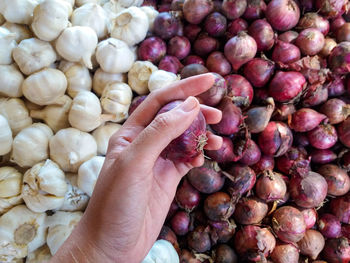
68,74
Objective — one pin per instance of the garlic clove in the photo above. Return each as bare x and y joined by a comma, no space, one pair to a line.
40,255
151,15
88,174
11,80
18,11
10,182
160,79
10,252
7,44
139,75
22,31
5,136
79,3
102,135
162,251
102,78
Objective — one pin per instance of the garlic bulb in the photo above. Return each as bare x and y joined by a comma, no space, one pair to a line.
114,56
102,135
55,116
160,79
32,106
18,11
40,255
10,81
130,25
85,112
102,78
50,18
61,225
88,174
128,3
94,16
21,31
139,75
31,145
84,2
10,252
16,114
44,187
10,182
75,199
7,44
77,44
78,77
23,228
116,99
7,203
151,15
5,137
33,54
162,251
71,147
45,87
112,8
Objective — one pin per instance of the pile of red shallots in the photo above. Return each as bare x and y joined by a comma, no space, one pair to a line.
278,189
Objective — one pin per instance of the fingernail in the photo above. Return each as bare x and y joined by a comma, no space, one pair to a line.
189,104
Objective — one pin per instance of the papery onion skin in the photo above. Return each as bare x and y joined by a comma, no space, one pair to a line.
196,10
224,254
270,186
218,206
239,90
259,71
337,179
244,179
329,44
199,239
311,244
329,226
285,253
337,250
222,231
331,8
310,41
314,20
250,211
339,59
324,136
283,111
340,207
233,9
291,159
315,95
336,110
263,34
255,9
282,14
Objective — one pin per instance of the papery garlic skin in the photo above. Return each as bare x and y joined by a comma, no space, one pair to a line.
94,16
139,75
16,113
40,255
7,44
61,225
31,145
151,15
50,18
44,187
88,174
10,182
33,54
102,78
162,251
21,31
160,79
114,56
102,135
112,8
18,11
71,147
128,3
116,99
78,77
130,25
79,3
5,136
77,44
10,252
45,87
7,203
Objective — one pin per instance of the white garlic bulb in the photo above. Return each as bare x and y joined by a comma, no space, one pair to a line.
11,252
102,78
18,11
7,44
21,31
50,18
162,251
79,3
10,81
7,203
40,255
130,25
33,54
10,182
77,44
102,135
160,79
151,15
61,225
128,3
94,16
16,113
139,75
71,147
5,136
114,56
88,174
31,145
44,187
112,8
55,116
116,99
78,77
45,87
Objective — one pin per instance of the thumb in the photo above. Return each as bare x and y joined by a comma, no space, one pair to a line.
163,129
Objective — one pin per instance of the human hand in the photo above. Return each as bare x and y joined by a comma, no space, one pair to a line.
136,187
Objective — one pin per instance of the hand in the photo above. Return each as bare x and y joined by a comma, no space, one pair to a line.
136,187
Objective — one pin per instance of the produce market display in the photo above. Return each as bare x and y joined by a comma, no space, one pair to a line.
72,71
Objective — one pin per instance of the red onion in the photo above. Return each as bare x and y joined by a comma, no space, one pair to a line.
340,207
276,139
339,59
307,5
258,117
283,111
218,206
305,119
310,216
187,196
192,70
255,9
337,250
311,244
225,254
288,224
331,8
193,59
322,156
215,94
172,210
152,49
329,44
259,71
207,178
215,24
250,211
285,253
233,9
263,34
288,36
239,89
167,25
224,154
236,26
254,243
199,239
315,95
337,23
240,49
188,145
282,14
222,231
171,64
291,159
309,190
337,179
336,110
270,187
314,20
196,10
180,223
136,102
324,136
336,87
344,132
242,180
345,231
179,47
310,41
266,162
329,226
177,5
301,139
216,62
261,95
167,234
205,44
191,31
188,257
252,154
285,53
